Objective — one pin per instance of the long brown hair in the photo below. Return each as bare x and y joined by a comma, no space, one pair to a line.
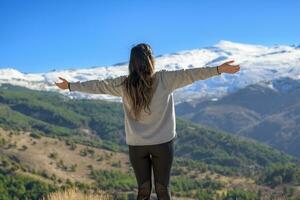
140,81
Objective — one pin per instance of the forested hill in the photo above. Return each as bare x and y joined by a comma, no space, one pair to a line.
267,112
97,123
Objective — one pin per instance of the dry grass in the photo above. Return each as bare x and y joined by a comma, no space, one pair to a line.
37,157
75,194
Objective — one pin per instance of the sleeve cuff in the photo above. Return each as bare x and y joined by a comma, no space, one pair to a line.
218,72
69,86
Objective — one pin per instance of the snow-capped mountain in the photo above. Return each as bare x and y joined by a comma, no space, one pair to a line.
258,64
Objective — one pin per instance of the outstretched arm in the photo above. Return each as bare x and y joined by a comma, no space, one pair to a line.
180,78
109,86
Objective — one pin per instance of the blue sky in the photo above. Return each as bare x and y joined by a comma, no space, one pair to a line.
41,35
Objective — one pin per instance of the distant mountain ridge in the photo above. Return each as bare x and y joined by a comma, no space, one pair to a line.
258,63
267,111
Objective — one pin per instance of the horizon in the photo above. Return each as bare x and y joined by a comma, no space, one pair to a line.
168,53
39,37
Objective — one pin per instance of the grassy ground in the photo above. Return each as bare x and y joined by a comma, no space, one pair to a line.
53,157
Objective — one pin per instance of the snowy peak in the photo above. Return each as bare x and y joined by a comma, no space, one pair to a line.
10,73
254,48
258,63
239,47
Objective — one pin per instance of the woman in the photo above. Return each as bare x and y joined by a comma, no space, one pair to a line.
149,113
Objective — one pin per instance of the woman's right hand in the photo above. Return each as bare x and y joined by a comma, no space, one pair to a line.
63,85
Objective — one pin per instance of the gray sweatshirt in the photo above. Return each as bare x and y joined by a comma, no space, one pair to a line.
160,125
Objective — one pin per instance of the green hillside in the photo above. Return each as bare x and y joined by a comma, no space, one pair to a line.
266,114
97,123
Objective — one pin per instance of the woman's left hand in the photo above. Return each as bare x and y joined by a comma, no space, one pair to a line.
63,85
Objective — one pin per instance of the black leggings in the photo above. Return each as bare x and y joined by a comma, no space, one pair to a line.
161,159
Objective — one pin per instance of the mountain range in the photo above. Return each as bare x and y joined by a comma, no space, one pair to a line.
258,63
260,101
267,111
